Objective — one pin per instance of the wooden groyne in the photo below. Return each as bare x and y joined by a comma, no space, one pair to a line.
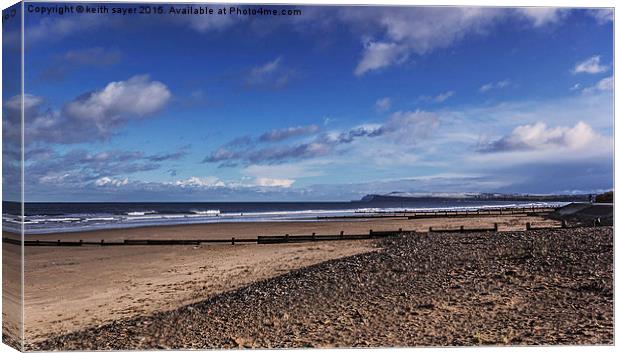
261,239
280,239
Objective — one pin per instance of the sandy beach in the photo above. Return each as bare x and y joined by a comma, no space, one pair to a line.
513,288
71,289
11,295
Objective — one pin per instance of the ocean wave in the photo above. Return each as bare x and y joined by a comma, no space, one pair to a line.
206,212
140,213
72,222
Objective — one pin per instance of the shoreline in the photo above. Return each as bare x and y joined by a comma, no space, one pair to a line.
56,223
246,230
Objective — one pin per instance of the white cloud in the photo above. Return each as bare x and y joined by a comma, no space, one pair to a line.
95,115
606,84
271,182
540,16
30,101
378,55
138,97
442,97
212,182
391,36
540,137
415,31
207,182
495,85
591,65
410,126
107,181
383,104
602,16
575,87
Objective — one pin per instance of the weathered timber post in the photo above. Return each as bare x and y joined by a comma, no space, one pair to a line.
528,226
342,234
233,241
495,227
462,229
313,236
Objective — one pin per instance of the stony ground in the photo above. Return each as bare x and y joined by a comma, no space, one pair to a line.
515,288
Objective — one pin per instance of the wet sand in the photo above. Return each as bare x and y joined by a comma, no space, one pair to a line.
71,288
246,230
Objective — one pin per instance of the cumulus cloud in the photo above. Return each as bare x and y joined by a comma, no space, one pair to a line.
283,134
591,65
95,115
540,137
111,106
383,104
495,85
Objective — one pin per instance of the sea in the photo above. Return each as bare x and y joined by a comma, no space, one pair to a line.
44,218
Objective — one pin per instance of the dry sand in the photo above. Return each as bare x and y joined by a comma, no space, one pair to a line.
11,295
537,287
70,288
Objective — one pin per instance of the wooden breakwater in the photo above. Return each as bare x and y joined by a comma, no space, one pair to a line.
282,239
261,239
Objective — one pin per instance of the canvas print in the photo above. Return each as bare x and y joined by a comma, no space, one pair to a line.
216,176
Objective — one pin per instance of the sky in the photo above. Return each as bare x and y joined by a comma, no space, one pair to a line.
331,104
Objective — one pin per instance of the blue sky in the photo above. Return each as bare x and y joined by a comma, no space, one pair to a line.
329,105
